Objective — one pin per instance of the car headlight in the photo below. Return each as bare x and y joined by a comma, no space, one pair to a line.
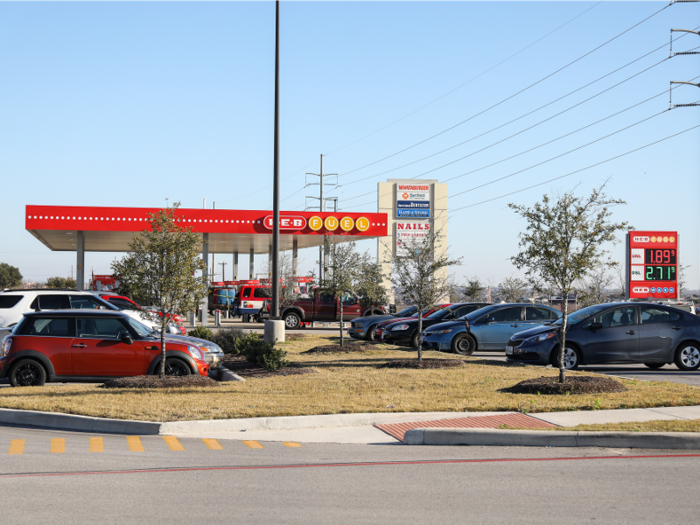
6,345
211,347
539,338
447,331
400,327
195,352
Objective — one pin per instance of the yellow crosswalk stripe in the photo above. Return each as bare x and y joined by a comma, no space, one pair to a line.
58,445
173,443
16,446
134,443
213,444
253,444
291,444
97,445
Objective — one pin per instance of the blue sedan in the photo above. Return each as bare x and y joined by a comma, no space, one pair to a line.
490,328
647,333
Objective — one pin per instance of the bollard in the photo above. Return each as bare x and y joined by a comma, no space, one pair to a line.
217,318
190,318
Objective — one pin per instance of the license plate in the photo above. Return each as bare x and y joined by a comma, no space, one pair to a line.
509,350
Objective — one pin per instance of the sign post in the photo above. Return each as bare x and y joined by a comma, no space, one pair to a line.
652,259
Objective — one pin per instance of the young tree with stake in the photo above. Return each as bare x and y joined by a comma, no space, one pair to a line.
420,274
343,270
162,264
562,244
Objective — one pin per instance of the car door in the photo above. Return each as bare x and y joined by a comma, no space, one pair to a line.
97,349
325,307
501,325
351,307
659,332
615,340
52,337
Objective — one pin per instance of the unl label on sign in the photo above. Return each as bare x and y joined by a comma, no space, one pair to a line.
413,200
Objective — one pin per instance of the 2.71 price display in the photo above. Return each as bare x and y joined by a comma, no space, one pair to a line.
660,273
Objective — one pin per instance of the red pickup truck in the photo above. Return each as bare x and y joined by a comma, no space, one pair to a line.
320,306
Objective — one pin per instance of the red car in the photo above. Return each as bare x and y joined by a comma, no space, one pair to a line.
90,345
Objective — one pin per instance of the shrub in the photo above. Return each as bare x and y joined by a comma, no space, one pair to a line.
228,338
201,332
262,354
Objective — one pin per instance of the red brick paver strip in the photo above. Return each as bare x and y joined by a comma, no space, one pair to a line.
398,430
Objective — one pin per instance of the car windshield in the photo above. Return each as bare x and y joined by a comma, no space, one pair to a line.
580,315
439,314
406,312
141,329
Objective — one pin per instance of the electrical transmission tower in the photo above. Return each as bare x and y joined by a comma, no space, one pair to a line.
322,206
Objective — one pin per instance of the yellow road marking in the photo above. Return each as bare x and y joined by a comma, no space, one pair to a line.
58,445
134,443
173,443
97,445
253,444
291,444
16,446
213,444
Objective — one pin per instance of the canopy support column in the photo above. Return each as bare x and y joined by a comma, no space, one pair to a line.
251,267
235,266
80,262
295,256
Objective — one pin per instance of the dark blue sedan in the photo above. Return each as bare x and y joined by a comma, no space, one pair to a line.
647,333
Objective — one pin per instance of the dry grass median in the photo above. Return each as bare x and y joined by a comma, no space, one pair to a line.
345,383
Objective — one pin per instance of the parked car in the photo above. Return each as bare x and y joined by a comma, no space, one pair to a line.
321,306
381,327
89,345
405,333
363,327
490,328
647,333
129,307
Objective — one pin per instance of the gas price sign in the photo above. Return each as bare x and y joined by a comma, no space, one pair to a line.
652,265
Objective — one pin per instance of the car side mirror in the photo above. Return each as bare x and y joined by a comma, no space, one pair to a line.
127,340
595,326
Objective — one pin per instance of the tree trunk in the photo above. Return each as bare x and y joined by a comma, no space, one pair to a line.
562,339
341,322
161,374
420,331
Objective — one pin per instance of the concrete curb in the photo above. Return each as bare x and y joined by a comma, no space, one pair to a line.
306,422
31,418
539,438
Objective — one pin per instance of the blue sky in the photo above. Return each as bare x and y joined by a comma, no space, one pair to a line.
132,103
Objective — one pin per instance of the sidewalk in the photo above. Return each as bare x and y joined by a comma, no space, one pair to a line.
361,429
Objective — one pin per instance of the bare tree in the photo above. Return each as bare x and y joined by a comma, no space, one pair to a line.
512,289
562,245
420,274
593,290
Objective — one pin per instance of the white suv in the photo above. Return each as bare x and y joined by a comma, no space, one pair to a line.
15,303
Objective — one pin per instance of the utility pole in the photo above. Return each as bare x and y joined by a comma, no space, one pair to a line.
275,313
213,254
223,270
322,200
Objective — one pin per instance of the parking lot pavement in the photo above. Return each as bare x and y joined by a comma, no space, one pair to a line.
667,373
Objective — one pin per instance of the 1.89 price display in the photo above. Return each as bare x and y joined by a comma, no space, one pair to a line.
655,256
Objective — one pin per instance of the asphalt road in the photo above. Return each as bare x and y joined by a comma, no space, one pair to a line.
330,483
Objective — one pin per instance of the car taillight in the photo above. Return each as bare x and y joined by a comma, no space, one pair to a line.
6,345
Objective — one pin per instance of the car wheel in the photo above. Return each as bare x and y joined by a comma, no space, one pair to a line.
463,344
370,334
27,372
688,357
414,340
654,366
572,358
292,320
176,367
246,318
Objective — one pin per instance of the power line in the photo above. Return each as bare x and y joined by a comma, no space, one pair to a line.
521,117
511,96
577,171
467,82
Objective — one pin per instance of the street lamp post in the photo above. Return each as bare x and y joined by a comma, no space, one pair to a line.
274,328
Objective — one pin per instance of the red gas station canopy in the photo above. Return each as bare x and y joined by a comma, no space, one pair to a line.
111,229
